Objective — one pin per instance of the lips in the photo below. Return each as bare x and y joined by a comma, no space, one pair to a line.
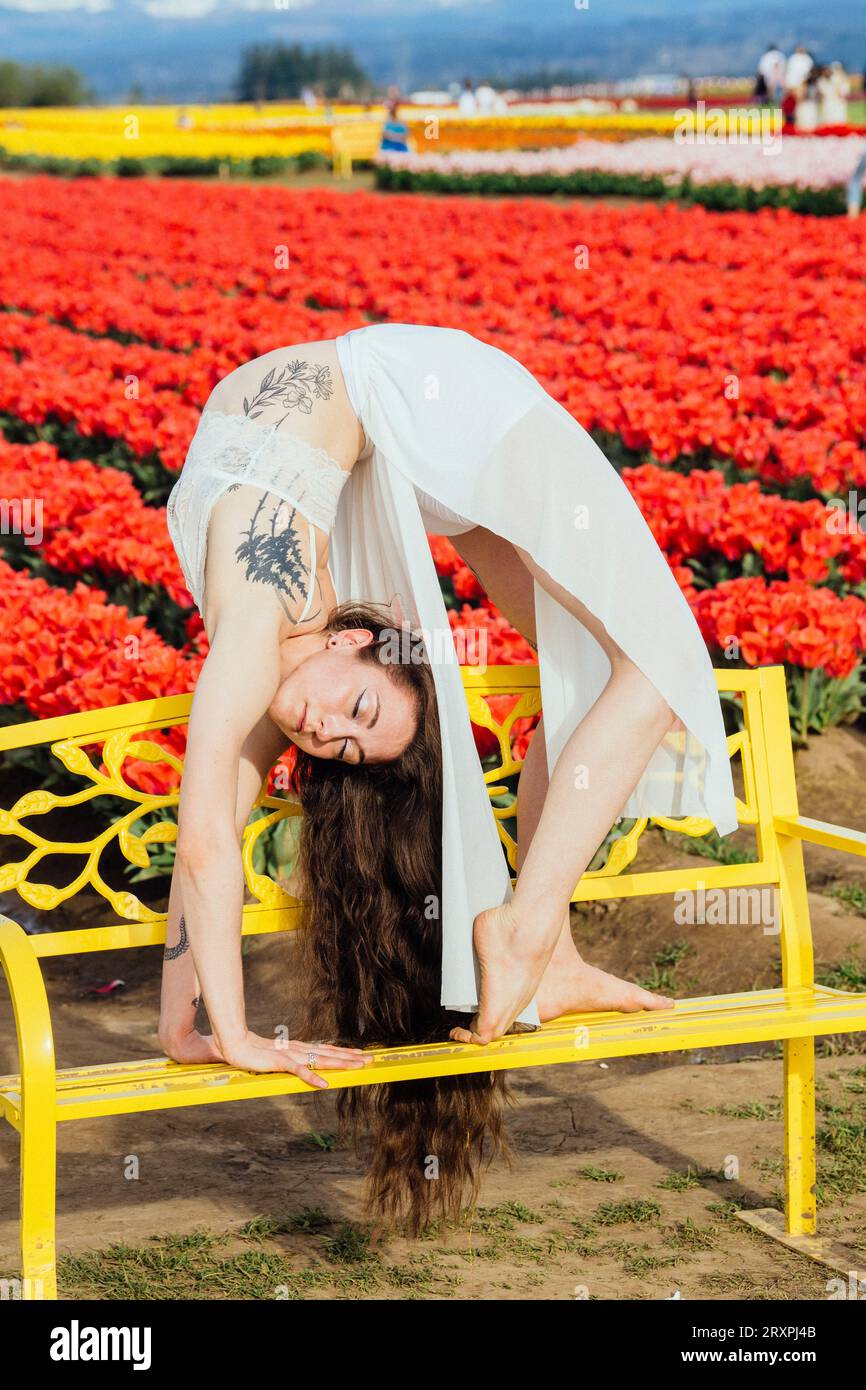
300,728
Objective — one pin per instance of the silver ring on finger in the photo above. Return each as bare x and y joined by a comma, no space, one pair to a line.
311,1060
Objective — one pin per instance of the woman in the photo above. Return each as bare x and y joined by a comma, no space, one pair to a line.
806,115
833,89
349,451
395,132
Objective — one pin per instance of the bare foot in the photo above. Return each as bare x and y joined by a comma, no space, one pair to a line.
509,974
582,988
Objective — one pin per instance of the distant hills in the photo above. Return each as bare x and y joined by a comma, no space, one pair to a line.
419,43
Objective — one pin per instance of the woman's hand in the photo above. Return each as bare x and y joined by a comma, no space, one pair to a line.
192,1048
257,1054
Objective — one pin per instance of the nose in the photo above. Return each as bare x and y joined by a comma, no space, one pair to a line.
329,726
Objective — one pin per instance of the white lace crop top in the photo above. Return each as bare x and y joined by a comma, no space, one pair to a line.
228,449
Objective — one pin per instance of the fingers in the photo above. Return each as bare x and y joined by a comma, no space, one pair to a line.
341,1053
311,1078
333,1058
321,1049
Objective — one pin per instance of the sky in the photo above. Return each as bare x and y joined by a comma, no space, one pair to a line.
189,49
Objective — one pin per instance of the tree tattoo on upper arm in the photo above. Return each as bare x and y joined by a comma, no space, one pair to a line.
272,555
296,387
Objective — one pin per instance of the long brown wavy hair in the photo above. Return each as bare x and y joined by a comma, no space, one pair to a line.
370,952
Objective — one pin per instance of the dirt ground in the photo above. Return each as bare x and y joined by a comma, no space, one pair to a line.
618,1189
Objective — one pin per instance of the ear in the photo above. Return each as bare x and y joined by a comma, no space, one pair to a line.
402,612
350,637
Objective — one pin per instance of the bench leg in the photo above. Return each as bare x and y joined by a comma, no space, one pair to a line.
800,1172
38,1197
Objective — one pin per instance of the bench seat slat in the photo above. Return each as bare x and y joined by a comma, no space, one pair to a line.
707,1021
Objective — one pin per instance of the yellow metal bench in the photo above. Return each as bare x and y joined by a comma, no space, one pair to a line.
354,140
40,1097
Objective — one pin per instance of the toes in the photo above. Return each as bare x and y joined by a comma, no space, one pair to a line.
468,1035
461,1035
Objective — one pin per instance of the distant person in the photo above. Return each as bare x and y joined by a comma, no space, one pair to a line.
308,96
789,107
485,98
855,186
691,90
467,104
798,67
395,133
184,120
833,89
806,116
771,74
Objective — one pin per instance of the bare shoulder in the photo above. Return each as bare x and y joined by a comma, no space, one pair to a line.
301,390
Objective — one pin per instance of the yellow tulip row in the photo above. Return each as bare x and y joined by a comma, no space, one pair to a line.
243,130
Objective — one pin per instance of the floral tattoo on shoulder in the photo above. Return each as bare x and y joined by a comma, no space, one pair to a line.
297,387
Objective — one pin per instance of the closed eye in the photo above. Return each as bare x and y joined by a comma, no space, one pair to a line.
362,757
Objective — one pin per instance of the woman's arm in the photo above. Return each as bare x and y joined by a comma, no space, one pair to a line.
180,984
237,684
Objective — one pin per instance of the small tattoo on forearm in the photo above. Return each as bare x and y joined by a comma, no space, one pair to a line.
172,952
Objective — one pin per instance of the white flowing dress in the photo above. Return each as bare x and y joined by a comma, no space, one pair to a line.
459,434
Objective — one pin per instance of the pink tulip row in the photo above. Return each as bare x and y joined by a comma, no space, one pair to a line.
805,161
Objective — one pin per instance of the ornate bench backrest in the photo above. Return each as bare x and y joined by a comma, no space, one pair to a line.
133,754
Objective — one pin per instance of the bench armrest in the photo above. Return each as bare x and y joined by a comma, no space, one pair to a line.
20,965
821,832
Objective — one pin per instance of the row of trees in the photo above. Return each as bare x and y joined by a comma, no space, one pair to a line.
34,84
273,72
268,72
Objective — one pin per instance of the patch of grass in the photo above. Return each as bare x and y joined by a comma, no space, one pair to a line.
505,1242
540,1251
852,894
198,1266
625,1248
644,1264
600,1174
665,962
727,1210
685,1235
772,1167
176,1268
727,1282
351,1245
308,1221
636,1209
681,1182
841,1155
672,953
262,1228
419,1276
749,1110
712,846
491,1220
845,974
327,1142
